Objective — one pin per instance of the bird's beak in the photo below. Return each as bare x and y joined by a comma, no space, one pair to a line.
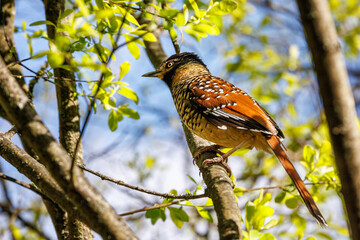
152,74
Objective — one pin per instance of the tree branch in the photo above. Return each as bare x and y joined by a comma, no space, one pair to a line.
122,183
93,209
156,206
338,101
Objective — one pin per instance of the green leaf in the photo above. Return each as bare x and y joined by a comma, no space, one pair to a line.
178,216
40,54
131,45
270,224
173,33
254,234
204,214
23,25
239,191
192,179
267,236
55,59
186,13
249,213
309,155
131,113
128,93
124,69
209,203
195,7
66,13
42,23
169,13
155,214
113,120
259,217
146,35
291,203
100,4
180,20
206,28
280,197
128,16
223,7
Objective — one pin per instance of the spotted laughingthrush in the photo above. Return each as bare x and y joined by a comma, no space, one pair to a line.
219,112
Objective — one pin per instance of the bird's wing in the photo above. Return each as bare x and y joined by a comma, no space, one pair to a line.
224,105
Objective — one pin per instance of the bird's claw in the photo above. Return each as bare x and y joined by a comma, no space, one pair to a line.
221,160
212,148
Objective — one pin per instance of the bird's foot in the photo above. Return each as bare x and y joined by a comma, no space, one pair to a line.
212,148
221,160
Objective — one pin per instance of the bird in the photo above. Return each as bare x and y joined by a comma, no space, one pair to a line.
224,114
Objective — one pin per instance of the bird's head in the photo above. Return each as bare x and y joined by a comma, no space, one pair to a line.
179,66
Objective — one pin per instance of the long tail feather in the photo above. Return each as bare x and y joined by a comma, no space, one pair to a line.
278,149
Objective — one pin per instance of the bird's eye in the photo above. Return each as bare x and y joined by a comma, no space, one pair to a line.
169,65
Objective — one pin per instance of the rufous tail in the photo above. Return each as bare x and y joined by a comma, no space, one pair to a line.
279,150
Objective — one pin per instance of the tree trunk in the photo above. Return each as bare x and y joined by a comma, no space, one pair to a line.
338,101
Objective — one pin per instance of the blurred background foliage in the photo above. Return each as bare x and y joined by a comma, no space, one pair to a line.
136,135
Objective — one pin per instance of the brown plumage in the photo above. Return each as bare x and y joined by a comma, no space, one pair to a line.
218,111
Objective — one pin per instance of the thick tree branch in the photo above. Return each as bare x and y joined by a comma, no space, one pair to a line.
219,185
93,209
338,101
7,43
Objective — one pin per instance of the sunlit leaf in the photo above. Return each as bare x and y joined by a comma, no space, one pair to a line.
42,23
128,93
128,112
195,7
270,224
55,59
223,7
267,236
204,214
131,45
66,13
124,69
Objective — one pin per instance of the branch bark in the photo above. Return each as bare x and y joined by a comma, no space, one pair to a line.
338,101
10,56
93,209
219,185
7,43
69,117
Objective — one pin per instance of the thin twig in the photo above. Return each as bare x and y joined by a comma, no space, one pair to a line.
175,44
122,183
157,206
90,108
9,134
57,78
20,61
23,184
141,10
279,187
